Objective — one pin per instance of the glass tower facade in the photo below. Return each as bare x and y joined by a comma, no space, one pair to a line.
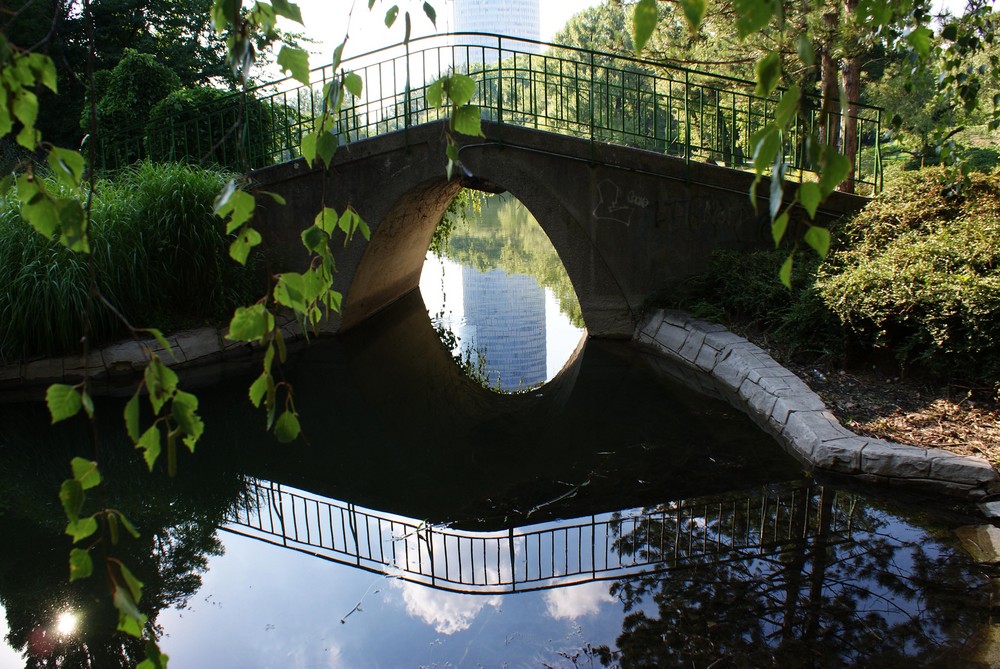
513,18
505,316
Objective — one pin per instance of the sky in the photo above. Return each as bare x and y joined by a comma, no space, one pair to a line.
326,21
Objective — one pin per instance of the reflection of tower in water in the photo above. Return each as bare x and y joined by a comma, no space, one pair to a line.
505,316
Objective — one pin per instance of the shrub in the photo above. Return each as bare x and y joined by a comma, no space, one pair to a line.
919,275
160,254
192,124
129,92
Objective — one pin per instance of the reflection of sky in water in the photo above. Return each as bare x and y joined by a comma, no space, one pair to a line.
263,606
441,286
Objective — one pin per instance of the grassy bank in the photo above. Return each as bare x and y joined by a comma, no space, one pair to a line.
160,257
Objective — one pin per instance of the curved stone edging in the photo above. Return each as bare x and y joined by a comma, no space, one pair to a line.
783,405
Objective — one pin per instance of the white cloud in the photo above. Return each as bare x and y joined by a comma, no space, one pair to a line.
448,612
577,601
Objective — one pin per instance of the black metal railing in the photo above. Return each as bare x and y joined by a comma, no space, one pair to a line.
604,97
547,555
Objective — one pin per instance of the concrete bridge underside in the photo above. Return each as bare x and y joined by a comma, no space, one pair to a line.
624,221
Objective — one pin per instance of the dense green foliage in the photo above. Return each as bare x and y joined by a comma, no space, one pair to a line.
129,93
189,124
914,280
160,254
919,275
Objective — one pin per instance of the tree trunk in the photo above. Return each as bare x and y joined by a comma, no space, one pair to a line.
829,119
852,89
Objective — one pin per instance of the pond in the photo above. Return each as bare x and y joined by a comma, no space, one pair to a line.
609,517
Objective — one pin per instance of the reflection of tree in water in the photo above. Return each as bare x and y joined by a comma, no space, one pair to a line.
822,601
498,232
176,517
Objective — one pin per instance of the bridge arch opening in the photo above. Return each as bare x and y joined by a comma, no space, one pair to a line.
499,295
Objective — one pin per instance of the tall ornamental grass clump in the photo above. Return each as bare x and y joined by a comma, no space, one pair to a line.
917,274
161,258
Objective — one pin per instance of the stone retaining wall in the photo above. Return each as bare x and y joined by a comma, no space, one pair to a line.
728,366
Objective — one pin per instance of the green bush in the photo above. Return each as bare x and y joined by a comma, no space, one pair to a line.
919,275
160,255
742,289
128,94
192,124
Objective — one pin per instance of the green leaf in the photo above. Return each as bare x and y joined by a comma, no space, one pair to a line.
184,412
768,71
778,228
314,239
237,204
134,584
804,46
819,239
460,89
409,27
258,388
810,197
296,62
71,495
63,401
694,12
431,14
132,417
787,107
240,249
88,403
326,220
154,658
161,383
286,428
326,145
287,9
308,147
920,38
354,84
250,323
468,121
390,16
765,143
785,273
80,564
150,444
644,19
435,93
130,619
67,166
835,169
86,472
81,528
752,15
126,523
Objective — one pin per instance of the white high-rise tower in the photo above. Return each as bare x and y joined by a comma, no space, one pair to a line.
512,18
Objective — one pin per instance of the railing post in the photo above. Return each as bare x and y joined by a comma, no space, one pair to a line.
687,118
877,177
591,98
499,78
406,100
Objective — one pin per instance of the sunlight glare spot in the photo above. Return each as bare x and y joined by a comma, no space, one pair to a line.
66,623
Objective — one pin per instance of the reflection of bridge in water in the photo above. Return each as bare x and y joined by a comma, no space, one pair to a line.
553,554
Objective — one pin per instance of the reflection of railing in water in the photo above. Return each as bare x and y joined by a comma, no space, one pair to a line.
547,555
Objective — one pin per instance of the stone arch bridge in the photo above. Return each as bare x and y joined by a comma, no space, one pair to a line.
624,221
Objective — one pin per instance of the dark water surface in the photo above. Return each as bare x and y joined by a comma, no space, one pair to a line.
610,518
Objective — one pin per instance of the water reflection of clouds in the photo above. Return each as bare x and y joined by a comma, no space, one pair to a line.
447,612
577,601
